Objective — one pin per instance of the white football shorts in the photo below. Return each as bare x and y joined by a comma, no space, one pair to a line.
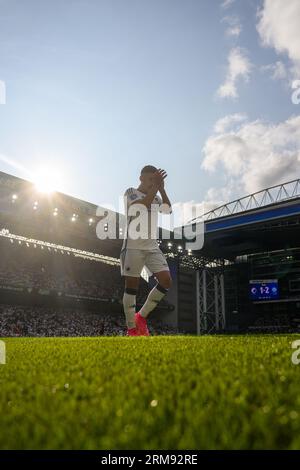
132,261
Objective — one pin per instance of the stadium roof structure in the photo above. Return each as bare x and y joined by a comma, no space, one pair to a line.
55,217
17,190
263,221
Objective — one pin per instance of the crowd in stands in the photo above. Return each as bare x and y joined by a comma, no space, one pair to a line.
34,268
18,320
29,267
275,323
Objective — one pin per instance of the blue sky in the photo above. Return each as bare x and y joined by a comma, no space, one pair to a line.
96,89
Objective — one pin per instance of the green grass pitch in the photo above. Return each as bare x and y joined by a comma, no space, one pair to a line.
161,392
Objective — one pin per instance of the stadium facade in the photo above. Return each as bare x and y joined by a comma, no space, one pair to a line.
249,277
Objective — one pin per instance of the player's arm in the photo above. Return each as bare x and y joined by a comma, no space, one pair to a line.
165,201
167,206
147,200
132,198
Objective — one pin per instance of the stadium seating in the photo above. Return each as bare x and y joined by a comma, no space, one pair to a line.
21,320
48,271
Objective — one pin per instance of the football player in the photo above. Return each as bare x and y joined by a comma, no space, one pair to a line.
140,247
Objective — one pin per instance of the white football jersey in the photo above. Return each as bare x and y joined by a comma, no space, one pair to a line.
141,230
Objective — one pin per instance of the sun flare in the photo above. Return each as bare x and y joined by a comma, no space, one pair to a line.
47,180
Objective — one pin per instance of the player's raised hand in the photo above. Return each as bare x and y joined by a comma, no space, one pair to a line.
162,176
157,179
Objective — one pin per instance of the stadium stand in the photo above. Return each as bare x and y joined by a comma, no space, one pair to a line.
55,270
22,320
60,292
274,323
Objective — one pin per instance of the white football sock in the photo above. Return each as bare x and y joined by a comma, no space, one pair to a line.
154,297
129,302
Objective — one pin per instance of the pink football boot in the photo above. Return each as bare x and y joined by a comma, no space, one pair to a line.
132,332
141,325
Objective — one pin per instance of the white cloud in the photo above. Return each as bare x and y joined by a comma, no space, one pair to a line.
234,28
239,67
234,31
224,124
253,155
278,70
216,197
227,3
278,27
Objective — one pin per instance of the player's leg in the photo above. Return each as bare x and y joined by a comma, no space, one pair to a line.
132,261
129,301
164,279
164,282
157,264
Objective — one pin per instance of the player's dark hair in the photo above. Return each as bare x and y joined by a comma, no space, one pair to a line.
148,169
